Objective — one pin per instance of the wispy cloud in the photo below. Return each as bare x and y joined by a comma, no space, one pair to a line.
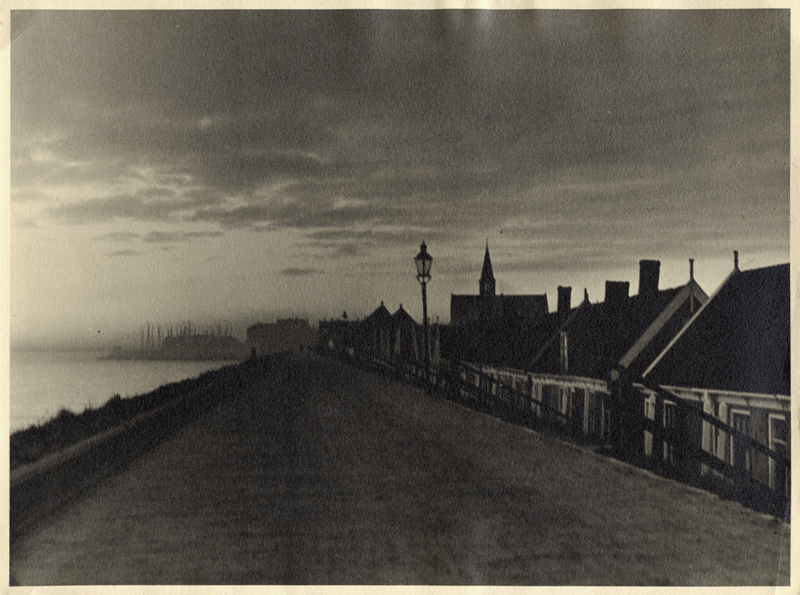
299,272
433,124
572,140
124,253
159,237
118,236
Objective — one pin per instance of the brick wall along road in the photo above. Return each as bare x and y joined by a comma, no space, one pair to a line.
321,474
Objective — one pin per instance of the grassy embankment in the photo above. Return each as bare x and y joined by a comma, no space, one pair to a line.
68,428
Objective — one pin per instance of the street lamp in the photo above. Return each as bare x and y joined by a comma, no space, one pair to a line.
423,260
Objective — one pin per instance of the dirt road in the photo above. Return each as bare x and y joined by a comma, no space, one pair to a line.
321,474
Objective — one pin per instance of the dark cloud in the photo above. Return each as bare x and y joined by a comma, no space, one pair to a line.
438,120
306,214
299,272
151,204
161,237
203,234
123,253
118,236
29,196
357,242
116,207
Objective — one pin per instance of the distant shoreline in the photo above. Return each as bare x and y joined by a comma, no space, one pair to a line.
200,347
66,428
144,355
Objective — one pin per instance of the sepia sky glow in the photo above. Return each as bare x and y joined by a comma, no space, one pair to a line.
195,165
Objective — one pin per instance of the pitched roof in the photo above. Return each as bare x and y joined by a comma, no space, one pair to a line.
663,328
740,339
379,316
402,317
600,335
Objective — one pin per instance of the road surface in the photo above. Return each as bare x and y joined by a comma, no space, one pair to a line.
318,473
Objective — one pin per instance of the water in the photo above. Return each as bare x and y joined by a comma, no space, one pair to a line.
44,382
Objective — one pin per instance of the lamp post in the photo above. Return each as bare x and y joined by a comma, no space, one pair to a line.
423,260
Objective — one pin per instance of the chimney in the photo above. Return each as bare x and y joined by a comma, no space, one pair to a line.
564,300
691,269
616,292
736,260
648,277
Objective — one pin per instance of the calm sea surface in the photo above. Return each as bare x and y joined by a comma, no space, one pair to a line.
44,382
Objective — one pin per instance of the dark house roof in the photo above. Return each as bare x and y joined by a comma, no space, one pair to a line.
467,308
599,336
739,341
403,318
379,317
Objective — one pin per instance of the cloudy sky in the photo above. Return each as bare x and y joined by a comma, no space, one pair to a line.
218,166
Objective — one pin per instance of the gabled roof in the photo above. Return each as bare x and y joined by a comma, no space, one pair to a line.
660,326
402,317
600,335
739,340
379,316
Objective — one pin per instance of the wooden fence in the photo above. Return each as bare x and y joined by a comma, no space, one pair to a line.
626,419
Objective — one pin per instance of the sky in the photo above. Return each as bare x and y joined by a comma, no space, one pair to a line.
240,166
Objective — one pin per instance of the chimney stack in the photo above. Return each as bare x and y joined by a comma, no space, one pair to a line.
616,292
564,300
648,277
736,260
691,269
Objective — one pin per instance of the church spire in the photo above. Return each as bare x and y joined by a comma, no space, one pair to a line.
487,276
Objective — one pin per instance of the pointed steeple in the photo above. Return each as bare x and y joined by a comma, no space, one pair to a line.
487,276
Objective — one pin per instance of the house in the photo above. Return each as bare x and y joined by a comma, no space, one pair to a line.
732,360
589,340
491,309
406,336
379,335
623,330
376,333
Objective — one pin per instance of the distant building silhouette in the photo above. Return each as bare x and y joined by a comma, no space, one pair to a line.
489,308
588,340
287,334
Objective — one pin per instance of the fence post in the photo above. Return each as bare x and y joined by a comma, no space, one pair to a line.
780,482
627,426
575,413
682,466
529,402
544,407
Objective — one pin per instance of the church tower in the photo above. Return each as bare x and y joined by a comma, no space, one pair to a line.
487,276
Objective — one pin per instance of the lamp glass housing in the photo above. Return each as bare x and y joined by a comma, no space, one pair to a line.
423,260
